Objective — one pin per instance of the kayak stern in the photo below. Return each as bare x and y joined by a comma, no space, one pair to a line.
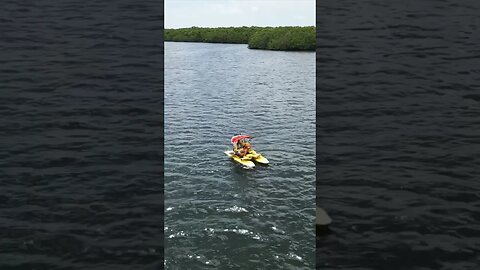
246,162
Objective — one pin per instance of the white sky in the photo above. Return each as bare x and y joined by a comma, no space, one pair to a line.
216,13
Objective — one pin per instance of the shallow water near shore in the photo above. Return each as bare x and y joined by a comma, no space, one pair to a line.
217,213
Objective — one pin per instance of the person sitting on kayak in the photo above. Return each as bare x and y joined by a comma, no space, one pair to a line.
238,148
240,145
241,148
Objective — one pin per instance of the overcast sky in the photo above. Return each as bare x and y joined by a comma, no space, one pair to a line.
216,13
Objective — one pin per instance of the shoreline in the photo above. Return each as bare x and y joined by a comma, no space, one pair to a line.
285,38
232,43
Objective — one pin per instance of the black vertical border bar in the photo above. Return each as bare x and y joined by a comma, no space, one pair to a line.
162,128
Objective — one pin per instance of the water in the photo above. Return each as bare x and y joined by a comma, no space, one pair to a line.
398,134
217,213
80,135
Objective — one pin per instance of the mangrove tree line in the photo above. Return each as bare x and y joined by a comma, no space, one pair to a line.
290,38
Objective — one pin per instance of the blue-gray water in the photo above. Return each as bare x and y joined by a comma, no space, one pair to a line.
80,135
399,134
217,213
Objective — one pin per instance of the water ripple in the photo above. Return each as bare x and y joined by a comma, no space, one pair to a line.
239,218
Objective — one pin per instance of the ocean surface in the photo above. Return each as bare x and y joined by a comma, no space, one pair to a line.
398,138
219,215
80,135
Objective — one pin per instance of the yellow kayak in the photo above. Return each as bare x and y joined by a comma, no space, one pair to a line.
248,159
244,161
257,157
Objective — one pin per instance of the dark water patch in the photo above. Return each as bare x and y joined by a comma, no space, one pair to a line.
81,145
398,135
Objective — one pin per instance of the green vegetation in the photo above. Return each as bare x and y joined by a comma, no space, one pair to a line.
284,38
213,35
291,38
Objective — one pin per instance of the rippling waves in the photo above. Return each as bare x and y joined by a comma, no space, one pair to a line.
218,214
80,151
398,139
